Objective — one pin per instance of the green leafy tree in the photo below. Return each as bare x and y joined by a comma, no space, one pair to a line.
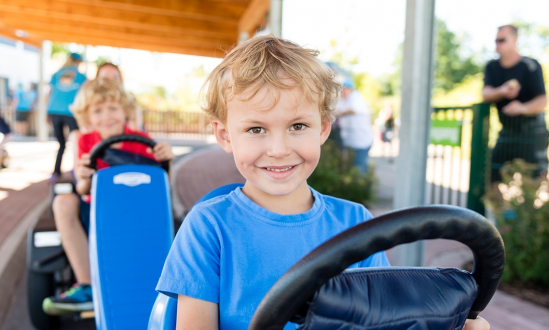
59,49
102,60
391,82
451,66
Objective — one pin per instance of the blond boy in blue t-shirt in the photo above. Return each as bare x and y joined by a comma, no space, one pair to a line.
272,104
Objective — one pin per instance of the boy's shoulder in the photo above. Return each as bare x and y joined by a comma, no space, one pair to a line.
94,135
343,206
340,202
91,136
215,204
128,130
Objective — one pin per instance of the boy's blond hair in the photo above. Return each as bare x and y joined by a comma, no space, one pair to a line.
99,91
274,63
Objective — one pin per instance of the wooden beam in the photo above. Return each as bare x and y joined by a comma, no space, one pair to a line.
213,10
67,37
29,39
44,25
125,18
254,16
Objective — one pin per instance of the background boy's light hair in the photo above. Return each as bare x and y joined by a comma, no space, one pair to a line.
274,63
99,91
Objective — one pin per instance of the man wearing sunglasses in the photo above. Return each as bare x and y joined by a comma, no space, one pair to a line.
515,84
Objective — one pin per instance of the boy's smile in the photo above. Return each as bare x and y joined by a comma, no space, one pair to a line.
276,148
108,118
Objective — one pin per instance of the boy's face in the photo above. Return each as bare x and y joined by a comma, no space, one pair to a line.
107,118
275,149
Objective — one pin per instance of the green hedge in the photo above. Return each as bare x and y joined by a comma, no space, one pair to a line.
522,216
335,176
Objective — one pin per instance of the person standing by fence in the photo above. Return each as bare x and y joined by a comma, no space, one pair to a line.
65,83
356,125
515,84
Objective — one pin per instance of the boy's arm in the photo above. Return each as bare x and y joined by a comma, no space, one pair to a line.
196,314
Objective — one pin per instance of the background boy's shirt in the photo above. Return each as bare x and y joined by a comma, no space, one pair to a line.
87,141
65,83
230,250
25,99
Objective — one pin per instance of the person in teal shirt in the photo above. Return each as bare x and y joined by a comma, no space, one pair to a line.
25,102
65,84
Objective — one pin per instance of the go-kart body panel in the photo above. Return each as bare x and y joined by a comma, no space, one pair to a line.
131,231
164,313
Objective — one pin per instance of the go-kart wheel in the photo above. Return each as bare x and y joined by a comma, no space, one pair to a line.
39,287
99,150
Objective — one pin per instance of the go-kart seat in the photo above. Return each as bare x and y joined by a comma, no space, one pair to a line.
164,312
131,230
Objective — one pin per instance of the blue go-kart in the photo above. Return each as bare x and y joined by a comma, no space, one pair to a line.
131,229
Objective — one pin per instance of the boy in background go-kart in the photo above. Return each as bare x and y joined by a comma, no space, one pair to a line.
272,104
103,106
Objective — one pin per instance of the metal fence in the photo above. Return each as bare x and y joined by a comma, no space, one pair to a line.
194,124
457,156
170,122
523,137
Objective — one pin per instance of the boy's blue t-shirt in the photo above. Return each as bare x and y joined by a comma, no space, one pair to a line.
65,83
231,251
25,99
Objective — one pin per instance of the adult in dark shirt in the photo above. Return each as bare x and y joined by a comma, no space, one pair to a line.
515,84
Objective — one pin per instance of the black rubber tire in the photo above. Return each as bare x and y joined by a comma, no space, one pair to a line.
39,287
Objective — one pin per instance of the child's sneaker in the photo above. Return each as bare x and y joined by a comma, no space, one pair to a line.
76,299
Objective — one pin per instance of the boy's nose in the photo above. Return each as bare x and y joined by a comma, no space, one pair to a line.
279,147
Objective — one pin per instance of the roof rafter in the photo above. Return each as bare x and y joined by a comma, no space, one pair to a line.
198,27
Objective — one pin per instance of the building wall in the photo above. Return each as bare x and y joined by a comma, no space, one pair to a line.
19,63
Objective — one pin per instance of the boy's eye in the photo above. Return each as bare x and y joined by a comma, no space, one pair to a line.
298,127
256,130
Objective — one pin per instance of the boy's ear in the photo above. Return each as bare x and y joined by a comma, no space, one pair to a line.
222,135
325,129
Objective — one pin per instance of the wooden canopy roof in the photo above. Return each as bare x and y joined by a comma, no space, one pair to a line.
194,27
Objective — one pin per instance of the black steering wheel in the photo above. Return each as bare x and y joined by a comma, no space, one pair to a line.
99,150
291,292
